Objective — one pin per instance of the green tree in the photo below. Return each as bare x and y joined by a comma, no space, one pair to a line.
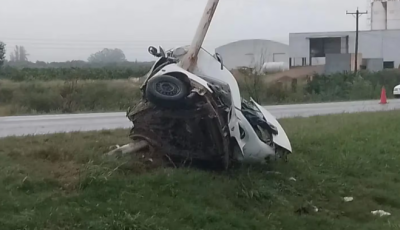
2,53
107,56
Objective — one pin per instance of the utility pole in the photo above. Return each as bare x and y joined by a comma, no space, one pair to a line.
190,59
358,15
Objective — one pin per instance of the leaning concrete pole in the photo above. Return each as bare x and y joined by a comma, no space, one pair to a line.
189,60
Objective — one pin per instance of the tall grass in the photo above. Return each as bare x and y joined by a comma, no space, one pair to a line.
322,88
71,96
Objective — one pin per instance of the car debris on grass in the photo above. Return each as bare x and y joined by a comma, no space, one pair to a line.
348,199
191,109
380,213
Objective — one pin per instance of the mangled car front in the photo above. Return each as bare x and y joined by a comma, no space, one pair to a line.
200,114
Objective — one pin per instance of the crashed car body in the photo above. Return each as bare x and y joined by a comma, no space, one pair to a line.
247,132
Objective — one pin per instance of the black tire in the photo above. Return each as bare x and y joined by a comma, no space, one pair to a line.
166,91
396,96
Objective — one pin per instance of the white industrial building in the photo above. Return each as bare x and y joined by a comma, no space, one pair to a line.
380,44
385,14
312,48
253,53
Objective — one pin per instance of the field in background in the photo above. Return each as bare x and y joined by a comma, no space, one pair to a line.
72,96
73,90
62,182
41,71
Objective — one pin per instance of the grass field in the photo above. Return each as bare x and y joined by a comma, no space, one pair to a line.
62,182
70,95
44,97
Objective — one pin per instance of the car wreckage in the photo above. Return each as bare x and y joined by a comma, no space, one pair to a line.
191,109
200,115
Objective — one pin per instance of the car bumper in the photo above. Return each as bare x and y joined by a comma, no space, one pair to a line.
256,151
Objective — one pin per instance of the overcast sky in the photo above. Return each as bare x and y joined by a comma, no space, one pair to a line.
60,30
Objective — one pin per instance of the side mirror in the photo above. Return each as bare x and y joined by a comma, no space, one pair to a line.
219,58
153,51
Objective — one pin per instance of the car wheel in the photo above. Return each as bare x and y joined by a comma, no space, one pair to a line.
166,90
396,96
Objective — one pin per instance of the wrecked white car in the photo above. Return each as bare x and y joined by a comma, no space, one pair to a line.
200,115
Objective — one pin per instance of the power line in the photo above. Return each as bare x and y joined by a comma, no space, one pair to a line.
358,15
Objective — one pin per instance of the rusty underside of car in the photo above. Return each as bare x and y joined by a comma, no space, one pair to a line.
196,133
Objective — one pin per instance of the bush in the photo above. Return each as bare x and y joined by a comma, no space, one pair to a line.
325,88
365,85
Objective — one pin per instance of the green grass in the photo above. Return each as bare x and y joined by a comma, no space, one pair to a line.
35,96
62,182
44,97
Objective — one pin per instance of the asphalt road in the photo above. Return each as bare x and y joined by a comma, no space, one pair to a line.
43,124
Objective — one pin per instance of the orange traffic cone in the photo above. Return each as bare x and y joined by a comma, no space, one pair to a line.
383,96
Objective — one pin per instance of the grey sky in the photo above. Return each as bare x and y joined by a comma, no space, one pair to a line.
55,30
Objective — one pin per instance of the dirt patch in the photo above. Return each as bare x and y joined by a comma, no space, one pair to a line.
47,162
295,73
67,174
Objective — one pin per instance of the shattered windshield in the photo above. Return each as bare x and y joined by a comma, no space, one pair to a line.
248,107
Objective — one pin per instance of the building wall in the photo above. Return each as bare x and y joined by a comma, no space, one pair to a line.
253,53
372,44
337,63
385,14
374,64
393,15
378,15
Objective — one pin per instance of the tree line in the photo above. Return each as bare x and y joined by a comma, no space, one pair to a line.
104,58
